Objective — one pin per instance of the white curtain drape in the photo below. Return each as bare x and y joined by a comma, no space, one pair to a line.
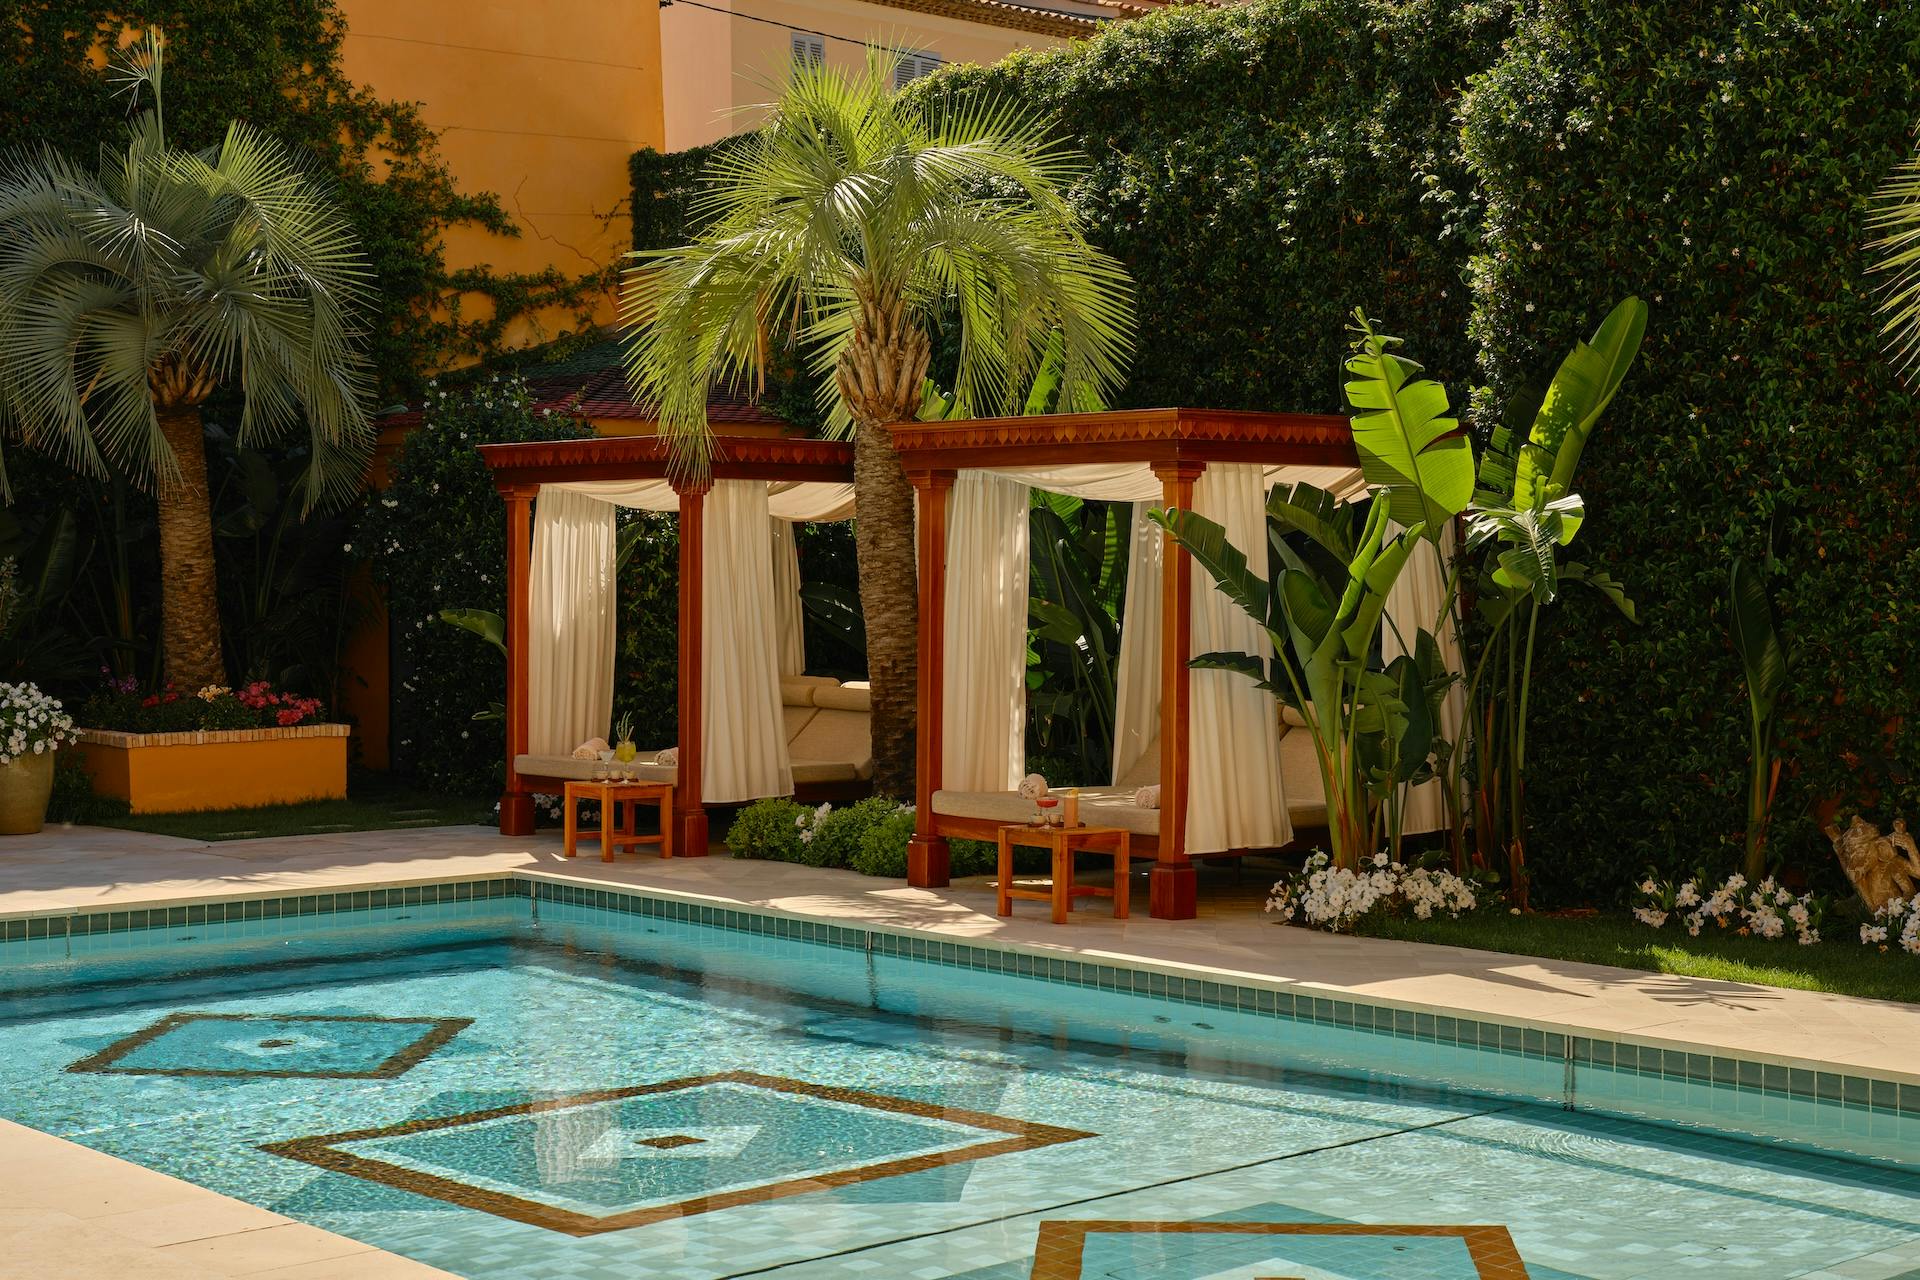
985,706
745,754
1234,798
570,623
1136,717
786,598
1414,604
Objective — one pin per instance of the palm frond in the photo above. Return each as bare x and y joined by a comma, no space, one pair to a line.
1896,217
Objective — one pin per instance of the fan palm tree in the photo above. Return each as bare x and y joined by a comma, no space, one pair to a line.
1896,217
131,292
852,223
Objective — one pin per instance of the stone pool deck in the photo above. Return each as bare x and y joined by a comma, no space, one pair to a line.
80,1213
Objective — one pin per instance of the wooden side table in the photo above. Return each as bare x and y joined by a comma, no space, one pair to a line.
1064,842
612,794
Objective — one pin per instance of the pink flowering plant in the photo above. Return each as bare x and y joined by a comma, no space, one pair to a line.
125,705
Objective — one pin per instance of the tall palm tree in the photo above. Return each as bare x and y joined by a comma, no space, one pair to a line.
851,224
131,292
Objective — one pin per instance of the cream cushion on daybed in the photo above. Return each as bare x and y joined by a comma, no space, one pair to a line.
1114,807
828,727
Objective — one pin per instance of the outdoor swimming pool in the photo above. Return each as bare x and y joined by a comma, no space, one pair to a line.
509,1087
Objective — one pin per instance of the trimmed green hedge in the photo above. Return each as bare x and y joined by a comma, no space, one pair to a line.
1715,159
1262,170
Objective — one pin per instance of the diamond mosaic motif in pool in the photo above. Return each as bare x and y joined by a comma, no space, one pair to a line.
239,1045
1201,1250
618,1158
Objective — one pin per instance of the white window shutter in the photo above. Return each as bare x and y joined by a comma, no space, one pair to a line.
808,50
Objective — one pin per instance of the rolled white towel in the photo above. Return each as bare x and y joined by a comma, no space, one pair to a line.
1032,787
671,756
590,749
1147,797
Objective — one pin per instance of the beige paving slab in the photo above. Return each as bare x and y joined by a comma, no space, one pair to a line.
67,1210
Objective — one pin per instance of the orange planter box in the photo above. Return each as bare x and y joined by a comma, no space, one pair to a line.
217,768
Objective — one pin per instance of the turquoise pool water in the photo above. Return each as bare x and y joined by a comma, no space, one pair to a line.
506,1088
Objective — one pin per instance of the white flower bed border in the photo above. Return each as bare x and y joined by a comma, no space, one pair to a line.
1334,898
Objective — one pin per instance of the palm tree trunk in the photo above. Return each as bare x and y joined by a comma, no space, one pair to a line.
189,600
890,602
880,376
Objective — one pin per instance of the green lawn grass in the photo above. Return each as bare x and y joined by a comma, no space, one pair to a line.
371,805
1839,964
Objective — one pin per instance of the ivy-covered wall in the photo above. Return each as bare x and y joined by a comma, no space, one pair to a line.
1264,169
1717,159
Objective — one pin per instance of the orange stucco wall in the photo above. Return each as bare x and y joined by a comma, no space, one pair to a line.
539,103
719,66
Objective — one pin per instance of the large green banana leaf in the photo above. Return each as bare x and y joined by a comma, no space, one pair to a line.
1578,394
1409,445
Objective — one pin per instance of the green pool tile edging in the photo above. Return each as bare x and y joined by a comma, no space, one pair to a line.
1624,1057
266,907
1767,1079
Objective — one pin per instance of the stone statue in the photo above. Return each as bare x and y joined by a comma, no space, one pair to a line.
1881,868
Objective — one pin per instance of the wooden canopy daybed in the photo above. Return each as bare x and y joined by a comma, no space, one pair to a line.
1156,458
809,733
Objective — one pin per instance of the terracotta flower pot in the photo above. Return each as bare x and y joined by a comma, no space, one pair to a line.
25,786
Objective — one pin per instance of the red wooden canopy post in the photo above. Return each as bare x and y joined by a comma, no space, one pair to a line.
1173,885
927,857
516,802
690,836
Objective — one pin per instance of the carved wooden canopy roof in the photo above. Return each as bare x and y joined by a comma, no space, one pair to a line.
1154,436
521,466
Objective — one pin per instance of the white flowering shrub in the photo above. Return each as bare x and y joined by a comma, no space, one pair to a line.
1767,910
1897,922
1334,898
31,723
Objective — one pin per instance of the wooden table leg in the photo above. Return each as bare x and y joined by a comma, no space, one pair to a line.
570,818
1005,906
607,805
1122,876
1062,879
666,823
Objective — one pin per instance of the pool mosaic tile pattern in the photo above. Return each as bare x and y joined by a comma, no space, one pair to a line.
1214,1250
731,1139
311,1046
1192,1109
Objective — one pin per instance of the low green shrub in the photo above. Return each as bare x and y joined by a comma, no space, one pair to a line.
768,829
837,836
870,837
883,846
